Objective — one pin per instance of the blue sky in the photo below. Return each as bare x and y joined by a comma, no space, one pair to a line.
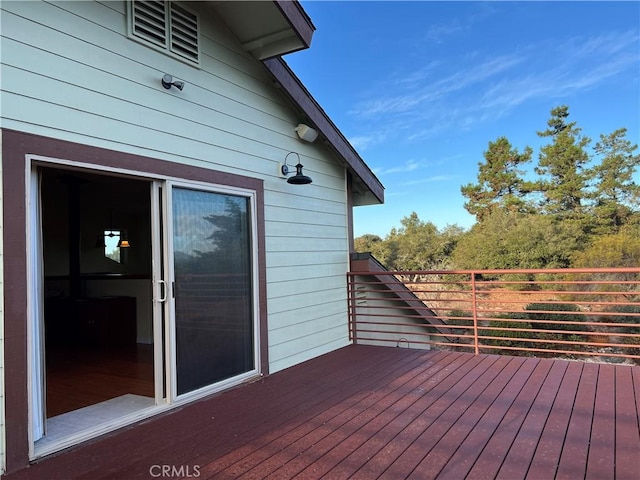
420,88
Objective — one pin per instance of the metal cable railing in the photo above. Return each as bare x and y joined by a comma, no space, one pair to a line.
571,313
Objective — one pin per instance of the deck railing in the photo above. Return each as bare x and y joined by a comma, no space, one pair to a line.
571,313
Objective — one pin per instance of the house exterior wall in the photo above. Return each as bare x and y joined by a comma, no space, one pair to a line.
380,307
70,72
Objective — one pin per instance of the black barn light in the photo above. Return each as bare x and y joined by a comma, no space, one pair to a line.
299,178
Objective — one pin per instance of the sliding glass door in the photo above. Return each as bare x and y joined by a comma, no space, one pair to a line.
212,263
177,319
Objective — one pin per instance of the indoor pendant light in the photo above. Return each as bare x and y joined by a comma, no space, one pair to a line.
123,242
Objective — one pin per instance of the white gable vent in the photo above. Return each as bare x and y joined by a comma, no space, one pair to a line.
184,32
166,25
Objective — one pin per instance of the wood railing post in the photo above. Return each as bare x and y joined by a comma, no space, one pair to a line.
474,306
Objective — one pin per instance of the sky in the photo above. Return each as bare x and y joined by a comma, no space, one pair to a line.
421,88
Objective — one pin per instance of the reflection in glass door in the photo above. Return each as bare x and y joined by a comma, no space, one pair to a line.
212,264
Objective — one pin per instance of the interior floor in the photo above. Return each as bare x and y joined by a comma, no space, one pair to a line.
81,376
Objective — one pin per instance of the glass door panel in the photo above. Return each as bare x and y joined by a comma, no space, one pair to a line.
212,256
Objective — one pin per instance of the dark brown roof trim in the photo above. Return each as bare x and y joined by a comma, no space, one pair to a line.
298,19
297,93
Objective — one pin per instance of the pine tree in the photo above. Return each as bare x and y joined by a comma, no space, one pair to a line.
561,165
500,181
615,194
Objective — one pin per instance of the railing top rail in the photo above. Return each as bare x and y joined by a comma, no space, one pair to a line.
502,271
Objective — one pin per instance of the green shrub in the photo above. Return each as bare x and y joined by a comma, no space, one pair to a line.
557,317
632,342
632,315
505,336
465,317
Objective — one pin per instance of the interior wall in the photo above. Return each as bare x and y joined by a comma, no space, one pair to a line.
140,289
105,202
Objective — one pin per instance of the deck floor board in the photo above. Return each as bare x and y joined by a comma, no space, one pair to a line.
627,424
469,450
601,460
365,412
574,458
547,455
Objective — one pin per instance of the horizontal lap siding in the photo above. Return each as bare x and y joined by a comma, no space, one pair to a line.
70,72
307,298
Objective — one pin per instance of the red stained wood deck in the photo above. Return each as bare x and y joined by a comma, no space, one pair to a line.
374,412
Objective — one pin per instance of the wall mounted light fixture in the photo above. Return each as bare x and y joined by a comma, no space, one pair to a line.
299,178
306,133
168,82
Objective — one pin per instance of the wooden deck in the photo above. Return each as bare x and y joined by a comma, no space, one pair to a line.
375,412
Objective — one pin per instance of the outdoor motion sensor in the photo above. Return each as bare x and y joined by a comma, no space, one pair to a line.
168,82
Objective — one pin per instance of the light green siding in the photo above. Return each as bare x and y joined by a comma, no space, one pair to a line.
70,72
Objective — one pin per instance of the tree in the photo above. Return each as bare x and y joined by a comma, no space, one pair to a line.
615,194
382,250
366,243
500,182
508,240
226,246
606,251
416,245
561,164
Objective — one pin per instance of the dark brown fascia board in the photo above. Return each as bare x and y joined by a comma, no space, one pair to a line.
298,19
298,94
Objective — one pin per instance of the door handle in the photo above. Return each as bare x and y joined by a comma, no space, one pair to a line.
163,289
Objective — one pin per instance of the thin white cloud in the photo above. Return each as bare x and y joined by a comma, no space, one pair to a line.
592,62
437,33
421,75
432,179
439,89
490,88
610,43
434,91
408,166
362,142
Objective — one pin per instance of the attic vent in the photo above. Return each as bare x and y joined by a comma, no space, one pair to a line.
184,32
166,25
149,21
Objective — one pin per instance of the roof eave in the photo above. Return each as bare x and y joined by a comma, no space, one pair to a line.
267,29
298,94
